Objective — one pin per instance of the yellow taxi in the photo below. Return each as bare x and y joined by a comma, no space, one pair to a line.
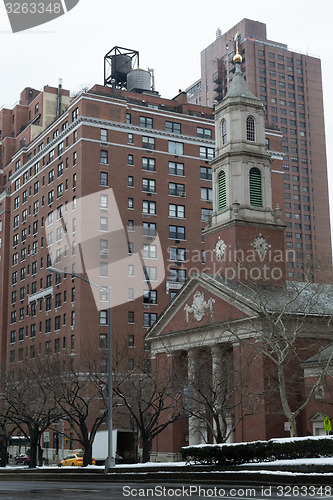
74,460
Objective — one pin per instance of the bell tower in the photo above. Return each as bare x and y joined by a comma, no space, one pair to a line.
244,240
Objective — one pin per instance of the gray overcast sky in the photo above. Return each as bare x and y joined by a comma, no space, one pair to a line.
169,36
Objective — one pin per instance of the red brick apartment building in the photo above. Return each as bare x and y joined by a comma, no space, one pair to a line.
155,155
290,86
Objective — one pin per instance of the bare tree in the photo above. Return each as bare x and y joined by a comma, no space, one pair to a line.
291,324
28,404
147,393
80,392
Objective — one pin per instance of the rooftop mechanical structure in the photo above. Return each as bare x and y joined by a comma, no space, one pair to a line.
118,62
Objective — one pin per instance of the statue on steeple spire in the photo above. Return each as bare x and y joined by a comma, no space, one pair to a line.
237,57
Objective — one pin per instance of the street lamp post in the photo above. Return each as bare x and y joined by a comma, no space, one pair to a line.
110,461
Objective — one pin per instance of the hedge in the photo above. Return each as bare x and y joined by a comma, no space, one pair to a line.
259,451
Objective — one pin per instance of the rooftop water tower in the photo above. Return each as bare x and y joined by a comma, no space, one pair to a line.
118,62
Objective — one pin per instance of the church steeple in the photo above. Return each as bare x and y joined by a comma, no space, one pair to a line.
242,192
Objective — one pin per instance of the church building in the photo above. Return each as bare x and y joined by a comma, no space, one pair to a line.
238,335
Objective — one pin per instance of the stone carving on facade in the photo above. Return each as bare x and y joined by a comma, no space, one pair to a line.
199,307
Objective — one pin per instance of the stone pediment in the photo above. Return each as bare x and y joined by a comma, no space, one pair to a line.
203,302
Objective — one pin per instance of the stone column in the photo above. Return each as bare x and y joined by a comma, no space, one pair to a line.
194,423
220,378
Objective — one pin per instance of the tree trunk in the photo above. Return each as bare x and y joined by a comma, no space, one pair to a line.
87,457
146,448
293,427
34,438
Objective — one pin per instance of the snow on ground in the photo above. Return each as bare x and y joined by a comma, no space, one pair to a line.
159,465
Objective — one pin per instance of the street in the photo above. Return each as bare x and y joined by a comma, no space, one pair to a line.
91,490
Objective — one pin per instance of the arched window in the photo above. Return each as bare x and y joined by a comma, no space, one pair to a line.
222,201
255,188
250,130
224,131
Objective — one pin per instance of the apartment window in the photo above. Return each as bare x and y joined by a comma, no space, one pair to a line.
14,278
205,212
130,203
56,345
104,135
205,133
73,318
149,207
177,254
149,164
146,122
149,185
36,187
60,190
176,189
104,178
177,232
206,194
131,317
150,297
130,160
130,138
103,202
103,341
13,317
103,269
57,323
149,229
16,221
176,211
130,181
103,225
75,114
176,168
178,275
50,197
131,341
130,225
148,142
173,127
149,319
206,173
176,148
104,157
103,317
206,153
130,269
58,300
51,175
128,118
149,251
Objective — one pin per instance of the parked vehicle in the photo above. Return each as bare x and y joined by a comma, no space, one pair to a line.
74,460
22,459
